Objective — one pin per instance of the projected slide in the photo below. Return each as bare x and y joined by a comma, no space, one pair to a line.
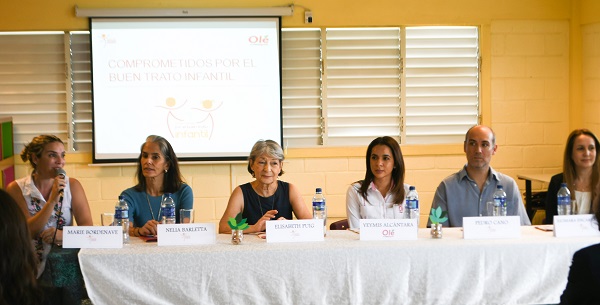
209,86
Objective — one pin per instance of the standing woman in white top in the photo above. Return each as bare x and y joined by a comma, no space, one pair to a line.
47,199
381,194
580,172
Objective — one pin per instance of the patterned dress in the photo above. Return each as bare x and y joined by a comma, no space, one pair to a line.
61,215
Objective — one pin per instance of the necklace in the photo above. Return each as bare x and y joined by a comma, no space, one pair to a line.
260,204
150,207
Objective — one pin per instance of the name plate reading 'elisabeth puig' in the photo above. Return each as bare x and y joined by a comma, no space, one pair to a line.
92,237
388,229
287,231
186,234
575,225
491,227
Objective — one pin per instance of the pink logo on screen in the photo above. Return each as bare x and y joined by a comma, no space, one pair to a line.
387,233
259,40
191,118
108,40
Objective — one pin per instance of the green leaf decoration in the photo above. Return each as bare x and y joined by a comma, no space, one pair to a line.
238,223
232,223
438,216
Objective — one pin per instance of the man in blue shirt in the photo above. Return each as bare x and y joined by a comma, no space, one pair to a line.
465,193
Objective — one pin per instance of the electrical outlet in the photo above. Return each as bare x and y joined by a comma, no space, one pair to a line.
308,17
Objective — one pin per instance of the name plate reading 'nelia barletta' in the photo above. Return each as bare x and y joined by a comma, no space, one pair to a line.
491,227
92,237
186,234
388,229
575,225
286,231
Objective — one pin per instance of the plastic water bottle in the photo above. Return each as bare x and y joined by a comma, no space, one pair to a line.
563,200
320,209
412,204
499,201
122,217
167,208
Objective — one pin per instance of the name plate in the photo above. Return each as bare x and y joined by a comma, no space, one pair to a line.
575,225
388,229
491,227
289,231
186,234
92,237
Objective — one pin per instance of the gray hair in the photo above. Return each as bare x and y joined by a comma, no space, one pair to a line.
269,147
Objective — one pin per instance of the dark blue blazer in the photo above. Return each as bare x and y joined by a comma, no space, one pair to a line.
584,278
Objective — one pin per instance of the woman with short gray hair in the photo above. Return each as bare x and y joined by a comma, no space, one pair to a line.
266,197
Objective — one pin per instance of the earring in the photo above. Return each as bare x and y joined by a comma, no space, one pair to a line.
166,170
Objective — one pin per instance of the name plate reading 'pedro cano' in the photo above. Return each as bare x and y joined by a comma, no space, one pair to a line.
575,225
287,231
92,237
186,234
491,227
388,229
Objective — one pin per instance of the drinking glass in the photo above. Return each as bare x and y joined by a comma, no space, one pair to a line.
489,208
107,218
186,216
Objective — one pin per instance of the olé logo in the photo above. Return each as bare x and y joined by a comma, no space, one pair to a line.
259,40
387,233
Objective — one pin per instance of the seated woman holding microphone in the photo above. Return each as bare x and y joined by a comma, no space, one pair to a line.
266,197
381,194
48,197
157,173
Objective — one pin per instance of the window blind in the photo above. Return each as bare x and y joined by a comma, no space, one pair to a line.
362,93
32,85
301,80
442,83
81,91
341,86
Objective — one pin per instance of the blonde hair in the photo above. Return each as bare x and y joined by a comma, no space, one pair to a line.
36,147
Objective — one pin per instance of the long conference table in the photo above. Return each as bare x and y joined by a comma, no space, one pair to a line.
340,270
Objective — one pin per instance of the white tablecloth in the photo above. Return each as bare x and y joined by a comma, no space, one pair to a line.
341,270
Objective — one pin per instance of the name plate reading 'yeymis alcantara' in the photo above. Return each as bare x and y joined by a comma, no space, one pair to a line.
286,231
92,237
186,234
388,229
491,227
575,225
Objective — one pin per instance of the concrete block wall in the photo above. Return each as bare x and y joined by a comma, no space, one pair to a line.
591,76
530,96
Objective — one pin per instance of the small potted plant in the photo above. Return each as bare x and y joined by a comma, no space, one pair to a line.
237,225
437,217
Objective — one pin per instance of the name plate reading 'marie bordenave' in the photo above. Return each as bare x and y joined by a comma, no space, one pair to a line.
491,227
388,229
287,231
92,237
186,234
575,225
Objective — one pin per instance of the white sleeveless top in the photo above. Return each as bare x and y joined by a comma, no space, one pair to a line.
35,201
584,202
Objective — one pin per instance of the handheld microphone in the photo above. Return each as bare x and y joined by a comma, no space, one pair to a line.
62,173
